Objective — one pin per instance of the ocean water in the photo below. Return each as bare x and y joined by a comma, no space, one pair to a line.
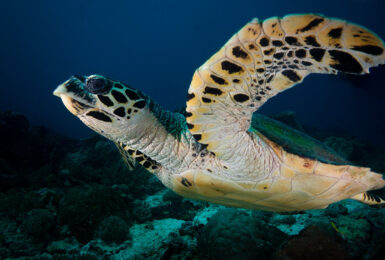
65,193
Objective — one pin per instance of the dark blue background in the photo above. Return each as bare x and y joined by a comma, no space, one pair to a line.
155,46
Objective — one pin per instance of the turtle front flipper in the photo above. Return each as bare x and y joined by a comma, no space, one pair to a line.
262,60
131,156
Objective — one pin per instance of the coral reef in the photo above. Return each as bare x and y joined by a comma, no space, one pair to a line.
234,234
62,198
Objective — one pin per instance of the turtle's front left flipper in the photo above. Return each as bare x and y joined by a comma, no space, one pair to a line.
264,59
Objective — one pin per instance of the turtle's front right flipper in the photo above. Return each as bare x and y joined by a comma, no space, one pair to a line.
264,59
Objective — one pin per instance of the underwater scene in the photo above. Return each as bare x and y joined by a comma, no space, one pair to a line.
198,129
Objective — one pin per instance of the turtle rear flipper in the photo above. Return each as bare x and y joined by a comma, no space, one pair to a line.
370,198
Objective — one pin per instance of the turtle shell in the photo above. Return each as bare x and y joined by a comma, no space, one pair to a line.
294,141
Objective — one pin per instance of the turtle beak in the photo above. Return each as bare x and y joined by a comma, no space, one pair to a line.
60,90
74,96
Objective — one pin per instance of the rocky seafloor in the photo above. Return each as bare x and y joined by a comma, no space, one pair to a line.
62,198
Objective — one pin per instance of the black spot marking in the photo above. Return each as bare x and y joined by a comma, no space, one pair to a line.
306,63
301,53
119,96
190,96
293,66
292,75
345,62
267,62
129,111
277,43
197,137
139,159
251,46
140,104
100,116
268,52
239,53
146,164
258,98
264,42
218,80
131,94
292,41
212,91
154,167
186,182
190,126
269,79
231,67
310,40
81,78
188,114
260,70
278,55
105,100
314,23
236,80
206,100
260,82
118,85
78,91
120,112
241,97
369,49
130,152
317,53
335,33
290,54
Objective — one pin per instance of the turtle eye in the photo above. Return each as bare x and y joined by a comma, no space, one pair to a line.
98,85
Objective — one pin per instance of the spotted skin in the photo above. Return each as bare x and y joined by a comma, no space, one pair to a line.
267,58
370,199
130,156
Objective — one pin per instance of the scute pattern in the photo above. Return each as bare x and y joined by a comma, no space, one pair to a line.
265,58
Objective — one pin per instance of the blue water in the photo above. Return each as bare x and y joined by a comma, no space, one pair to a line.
63,197
155,46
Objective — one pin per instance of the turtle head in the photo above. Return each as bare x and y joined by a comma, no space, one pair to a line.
106,106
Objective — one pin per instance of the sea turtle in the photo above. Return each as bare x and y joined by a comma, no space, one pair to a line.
219,150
